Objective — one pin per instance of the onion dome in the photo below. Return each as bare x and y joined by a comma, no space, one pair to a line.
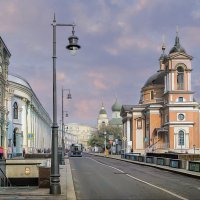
116,107
102,111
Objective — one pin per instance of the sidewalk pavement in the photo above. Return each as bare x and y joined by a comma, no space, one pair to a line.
36,193
166,168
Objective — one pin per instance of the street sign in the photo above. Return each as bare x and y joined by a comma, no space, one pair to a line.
124,138
30,136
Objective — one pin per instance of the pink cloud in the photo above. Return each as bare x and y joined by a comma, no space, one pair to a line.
98,80
99,84
83,108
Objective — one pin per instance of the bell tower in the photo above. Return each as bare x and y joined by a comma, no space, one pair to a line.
180,113
178,74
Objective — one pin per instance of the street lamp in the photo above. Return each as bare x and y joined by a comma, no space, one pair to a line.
105,143
69,96
55,174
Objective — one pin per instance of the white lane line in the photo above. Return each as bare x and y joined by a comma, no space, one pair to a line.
137,179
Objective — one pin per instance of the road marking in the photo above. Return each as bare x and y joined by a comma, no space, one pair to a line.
137,179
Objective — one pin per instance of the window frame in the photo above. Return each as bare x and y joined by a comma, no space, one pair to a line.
180,78
15,110
152,95
181,138
180,99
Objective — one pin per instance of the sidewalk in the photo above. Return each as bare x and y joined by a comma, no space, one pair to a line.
35,193
166,168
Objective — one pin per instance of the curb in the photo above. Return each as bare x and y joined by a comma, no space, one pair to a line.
70,184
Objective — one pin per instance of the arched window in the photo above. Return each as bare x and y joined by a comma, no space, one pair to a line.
181,138
15,111
180,78
152,94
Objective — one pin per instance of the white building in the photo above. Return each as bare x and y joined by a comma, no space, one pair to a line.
4,63
70,139
29,125
83,132
102,117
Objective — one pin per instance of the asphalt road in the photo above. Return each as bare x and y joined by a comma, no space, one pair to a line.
104,178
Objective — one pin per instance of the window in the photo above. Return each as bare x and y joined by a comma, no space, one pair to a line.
1,64
139,123
166,118
1,94
167,68
181,116
181,138
152,95
15,111
180,78
180,99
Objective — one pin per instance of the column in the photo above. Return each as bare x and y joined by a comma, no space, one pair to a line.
24,123
128,149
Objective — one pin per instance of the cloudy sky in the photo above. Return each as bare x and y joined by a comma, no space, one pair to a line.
121,44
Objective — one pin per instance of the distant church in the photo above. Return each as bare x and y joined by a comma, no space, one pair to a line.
116,119
167,117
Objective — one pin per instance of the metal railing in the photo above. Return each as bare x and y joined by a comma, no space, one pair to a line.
152,147
4,181
162,146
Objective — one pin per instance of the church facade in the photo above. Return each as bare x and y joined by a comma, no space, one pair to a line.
167,116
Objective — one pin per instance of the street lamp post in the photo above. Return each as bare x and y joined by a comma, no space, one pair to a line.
69,96
105,143
55,174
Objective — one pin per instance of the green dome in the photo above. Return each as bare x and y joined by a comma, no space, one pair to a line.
116,107
102,111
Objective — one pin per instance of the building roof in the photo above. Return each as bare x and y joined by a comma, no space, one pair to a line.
102,111
18,79
155,79
177,47
116,107
1,40
115,121
125,109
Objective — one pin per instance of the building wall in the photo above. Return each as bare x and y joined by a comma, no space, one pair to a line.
32,128
83,132
4,62
164,103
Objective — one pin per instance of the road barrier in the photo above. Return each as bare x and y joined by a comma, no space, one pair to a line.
164,161
175,163
149,159
194,166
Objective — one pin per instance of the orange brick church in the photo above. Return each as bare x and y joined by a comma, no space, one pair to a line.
167,116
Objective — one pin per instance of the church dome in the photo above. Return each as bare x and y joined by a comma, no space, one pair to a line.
177,47
102,111
155,79
116,107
